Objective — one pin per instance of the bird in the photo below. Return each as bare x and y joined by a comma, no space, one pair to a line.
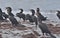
40,15
45,29
9,11
1,17
21,15
32,11
32,18
11,16
58,14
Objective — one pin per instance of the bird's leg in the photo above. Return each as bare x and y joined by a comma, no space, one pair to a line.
43,35
20,20
36,26
11,25
23,19
14,26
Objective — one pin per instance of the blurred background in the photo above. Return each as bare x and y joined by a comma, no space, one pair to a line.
27,4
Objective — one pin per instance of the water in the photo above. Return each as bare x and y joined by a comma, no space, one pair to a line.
27,4
45,5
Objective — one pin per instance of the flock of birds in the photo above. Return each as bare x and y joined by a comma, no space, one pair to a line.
32,18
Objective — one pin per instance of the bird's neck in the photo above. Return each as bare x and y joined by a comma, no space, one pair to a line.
21,12
9,12
32,14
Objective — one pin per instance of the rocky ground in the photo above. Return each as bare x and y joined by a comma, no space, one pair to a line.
26,31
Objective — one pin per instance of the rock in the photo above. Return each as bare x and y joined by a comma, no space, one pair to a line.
29,27
0,36
36,33
8,26
29,36
45,37
57,25
21,28
50,25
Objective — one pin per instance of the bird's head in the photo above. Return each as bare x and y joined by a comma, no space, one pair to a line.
37,9
9,9
0,10
21,10
33,11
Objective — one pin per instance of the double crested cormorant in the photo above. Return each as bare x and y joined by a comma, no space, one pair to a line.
9,9
43,26
45,29
33,12
40,15
1,17
21,15
34,18
58,14
31,18
11,17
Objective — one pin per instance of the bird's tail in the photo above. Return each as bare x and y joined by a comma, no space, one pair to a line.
52,36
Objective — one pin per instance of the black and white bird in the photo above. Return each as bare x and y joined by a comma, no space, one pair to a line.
1,17
21,15
58,14
44,28
12,19
32,18
40,15
9,11
11,16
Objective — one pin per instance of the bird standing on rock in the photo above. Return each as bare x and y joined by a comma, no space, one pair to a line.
40,15
44,28
58,14
34,18
1,17
9,11
31,18
21,15
11,16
